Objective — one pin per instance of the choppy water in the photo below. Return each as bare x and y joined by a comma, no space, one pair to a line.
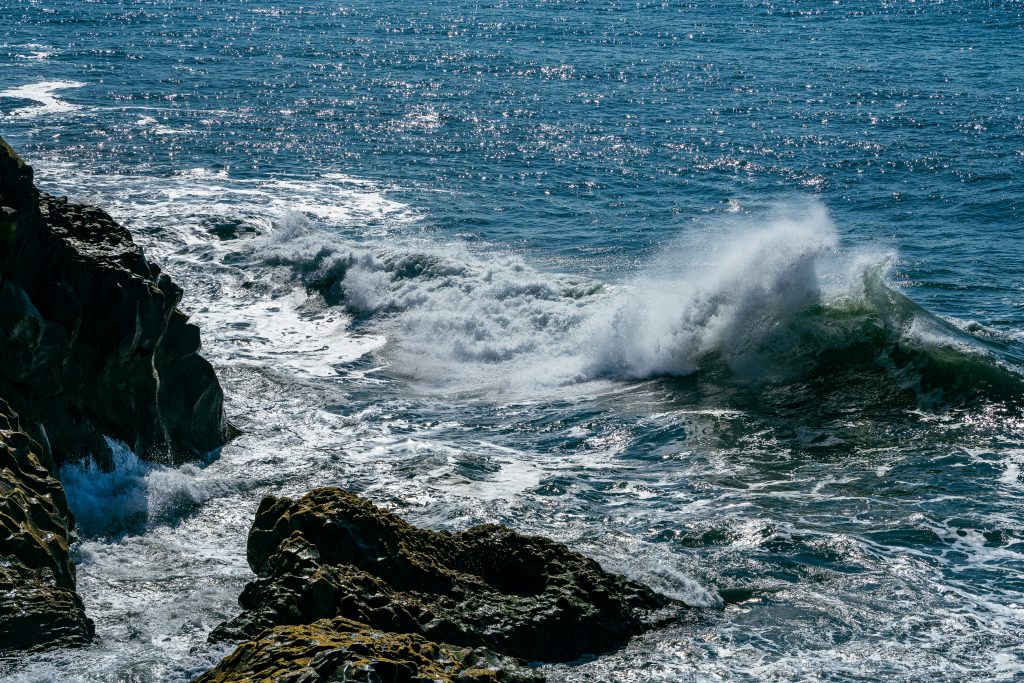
727,295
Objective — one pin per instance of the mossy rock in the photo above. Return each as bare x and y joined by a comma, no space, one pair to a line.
332,554
344,650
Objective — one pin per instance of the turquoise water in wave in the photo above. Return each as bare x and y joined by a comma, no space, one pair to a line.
727,295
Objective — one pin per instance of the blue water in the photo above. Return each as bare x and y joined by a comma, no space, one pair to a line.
728,295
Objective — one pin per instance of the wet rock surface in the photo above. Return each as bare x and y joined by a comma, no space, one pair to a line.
343,650
38,603
332,554
92,345
91,341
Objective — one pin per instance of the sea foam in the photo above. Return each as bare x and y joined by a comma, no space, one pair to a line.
134,494
43,94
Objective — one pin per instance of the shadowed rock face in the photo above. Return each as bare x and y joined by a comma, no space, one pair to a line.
38,603
342,650
91,341
91,345
332,554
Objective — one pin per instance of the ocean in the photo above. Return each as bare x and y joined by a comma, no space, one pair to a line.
727,295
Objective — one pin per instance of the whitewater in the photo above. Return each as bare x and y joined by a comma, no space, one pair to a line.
748,330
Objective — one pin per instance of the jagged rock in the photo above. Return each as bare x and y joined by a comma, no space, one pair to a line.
331,553
38,603
91,346
91,341
343,650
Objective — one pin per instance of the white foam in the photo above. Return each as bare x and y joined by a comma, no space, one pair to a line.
289,330
458,317
193,196
134,493
36,52
43,94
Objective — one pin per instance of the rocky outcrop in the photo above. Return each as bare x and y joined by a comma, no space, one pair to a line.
342,650
91,341
38,603
332,554
92,345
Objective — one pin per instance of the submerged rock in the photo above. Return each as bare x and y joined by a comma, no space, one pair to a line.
332,554
343,650
38,603
91,341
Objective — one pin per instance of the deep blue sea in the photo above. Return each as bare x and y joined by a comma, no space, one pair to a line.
728,295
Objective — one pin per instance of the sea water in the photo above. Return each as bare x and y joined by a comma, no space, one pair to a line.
727,295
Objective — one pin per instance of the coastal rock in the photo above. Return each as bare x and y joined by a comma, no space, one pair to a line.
91,341
343,650
92,345
38,603
332,554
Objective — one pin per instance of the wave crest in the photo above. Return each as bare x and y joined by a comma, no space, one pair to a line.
767,299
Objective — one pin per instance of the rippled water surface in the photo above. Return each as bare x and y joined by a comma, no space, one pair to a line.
727,295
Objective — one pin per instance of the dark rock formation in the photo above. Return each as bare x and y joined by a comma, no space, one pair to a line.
38,603
91,341
342,650
332,554
91,345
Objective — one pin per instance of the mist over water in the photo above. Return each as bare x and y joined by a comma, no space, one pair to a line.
746,328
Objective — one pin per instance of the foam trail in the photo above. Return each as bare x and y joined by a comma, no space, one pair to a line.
43,94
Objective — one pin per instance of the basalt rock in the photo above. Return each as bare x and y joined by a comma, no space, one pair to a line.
332,554
343,650
38,603
91,341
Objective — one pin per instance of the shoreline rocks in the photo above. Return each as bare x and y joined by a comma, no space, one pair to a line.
331,554
91,341
92,345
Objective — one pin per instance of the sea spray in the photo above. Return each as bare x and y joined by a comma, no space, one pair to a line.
769,297
134,494
742,304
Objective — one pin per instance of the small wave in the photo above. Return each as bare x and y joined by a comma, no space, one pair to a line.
133,494
35,52
43,94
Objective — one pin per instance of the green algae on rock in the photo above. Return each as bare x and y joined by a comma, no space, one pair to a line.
38,603
331,553
343,650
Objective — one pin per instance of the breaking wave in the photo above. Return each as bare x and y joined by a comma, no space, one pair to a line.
768,299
